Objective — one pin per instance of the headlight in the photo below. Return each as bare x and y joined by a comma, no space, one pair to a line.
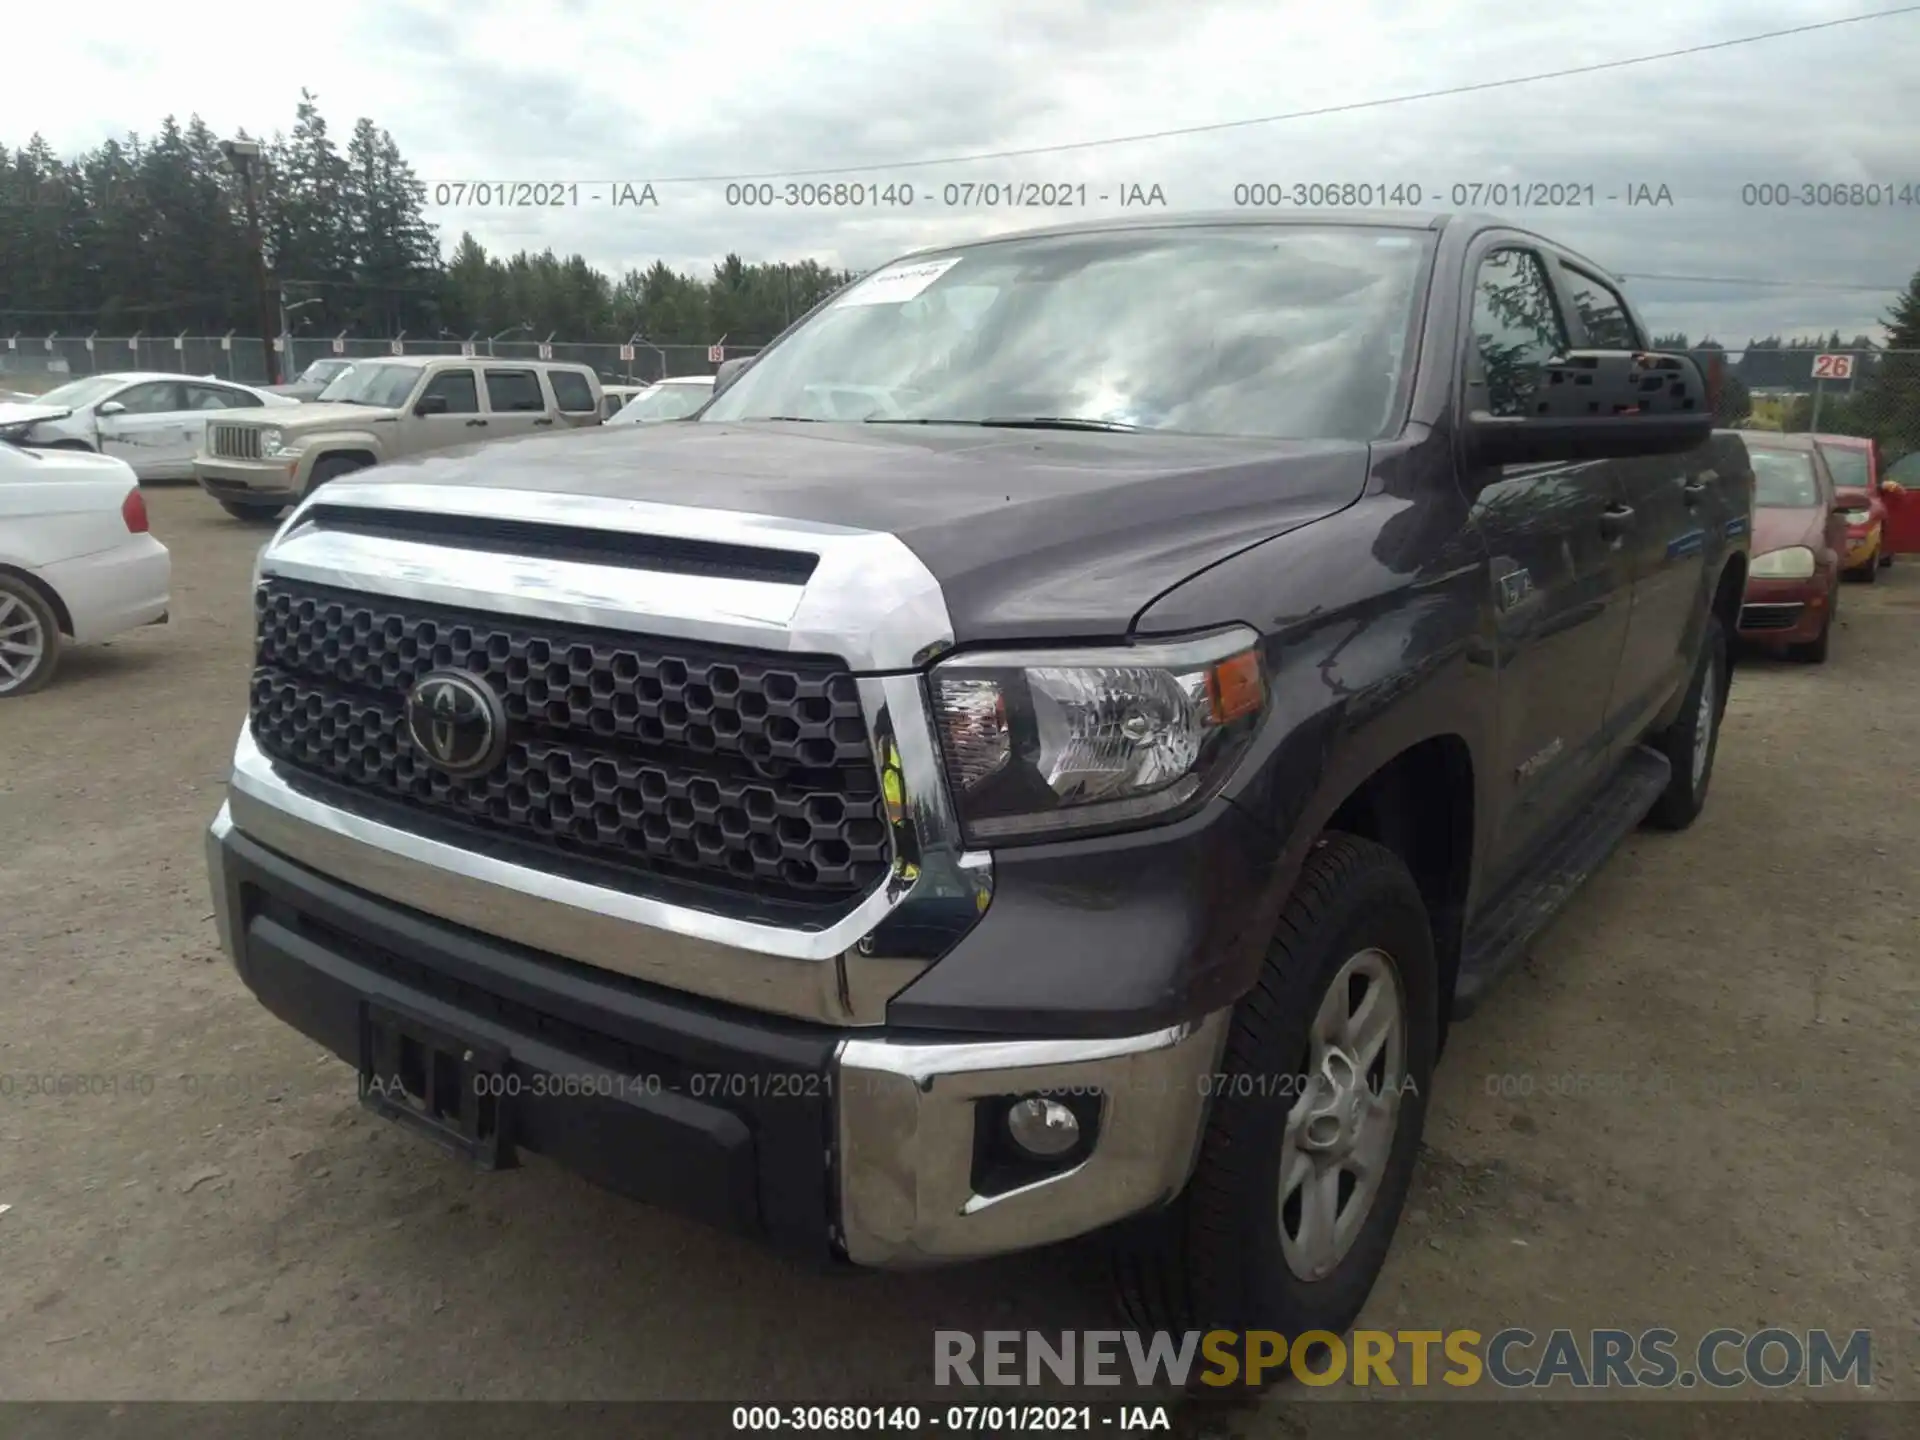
274,446
1042,743
1859,517
1794,563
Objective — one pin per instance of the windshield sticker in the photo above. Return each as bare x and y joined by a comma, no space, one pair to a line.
893,287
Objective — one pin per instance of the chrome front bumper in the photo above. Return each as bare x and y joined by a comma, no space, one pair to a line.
900,1163
907,1114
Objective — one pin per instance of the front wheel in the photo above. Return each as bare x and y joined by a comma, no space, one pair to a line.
254,513
1315,1118
1816,650
332,467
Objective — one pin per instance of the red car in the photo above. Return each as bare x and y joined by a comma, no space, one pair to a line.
1855,465
1799,547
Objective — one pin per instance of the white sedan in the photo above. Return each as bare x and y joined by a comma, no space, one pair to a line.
153,422
77,562
674,398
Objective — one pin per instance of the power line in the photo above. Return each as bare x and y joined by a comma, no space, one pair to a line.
1345,108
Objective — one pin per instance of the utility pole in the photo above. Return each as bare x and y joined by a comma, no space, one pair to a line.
244,156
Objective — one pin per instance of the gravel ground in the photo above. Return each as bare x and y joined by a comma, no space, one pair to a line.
1691,1108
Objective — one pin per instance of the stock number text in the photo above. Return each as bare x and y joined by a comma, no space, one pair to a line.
1820,195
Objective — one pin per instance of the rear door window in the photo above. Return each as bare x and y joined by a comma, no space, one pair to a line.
572,391
515,391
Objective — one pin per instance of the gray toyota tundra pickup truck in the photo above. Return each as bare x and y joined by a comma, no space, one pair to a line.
1046,750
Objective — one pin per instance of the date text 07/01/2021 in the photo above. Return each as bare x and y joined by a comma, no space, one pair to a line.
808,195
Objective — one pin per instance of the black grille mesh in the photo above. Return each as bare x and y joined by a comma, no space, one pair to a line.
743,771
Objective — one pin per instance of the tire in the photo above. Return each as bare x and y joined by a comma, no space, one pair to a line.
1886,562
1870,572
1692,741
331,468
30,639
1815,651
254,514
1228,1254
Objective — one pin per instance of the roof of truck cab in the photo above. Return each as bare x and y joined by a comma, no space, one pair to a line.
1472,221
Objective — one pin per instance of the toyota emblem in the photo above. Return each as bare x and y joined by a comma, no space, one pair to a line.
457,722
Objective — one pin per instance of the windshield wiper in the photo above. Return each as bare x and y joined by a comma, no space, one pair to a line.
1058,422
1025,422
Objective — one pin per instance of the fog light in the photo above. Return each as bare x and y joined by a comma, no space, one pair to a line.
1044,1128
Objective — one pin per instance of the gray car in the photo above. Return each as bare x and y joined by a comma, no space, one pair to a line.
312,380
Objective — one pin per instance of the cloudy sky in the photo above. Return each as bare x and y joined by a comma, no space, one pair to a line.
598,92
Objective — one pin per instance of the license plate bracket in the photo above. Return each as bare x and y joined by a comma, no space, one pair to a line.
447,1086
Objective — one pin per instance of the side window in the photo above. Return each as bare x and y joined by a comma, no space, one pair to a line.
1516,329
571,391
511,390
216,397
459,390
155,398
1603,313
1823,479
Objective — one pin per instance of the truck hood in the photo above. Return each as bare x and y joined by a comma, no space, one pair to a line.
325,417
1031,534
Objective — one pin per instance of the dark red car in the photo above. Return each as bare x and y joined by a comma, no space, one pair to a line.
1799,547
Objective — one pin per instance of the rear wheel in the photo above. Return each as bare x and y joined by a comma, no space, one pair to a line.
252,512
1315,1119
29,638
1870,572
1691,742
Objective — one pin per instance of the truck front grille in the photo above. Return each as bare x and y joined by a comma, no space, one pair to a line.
739,770
236,442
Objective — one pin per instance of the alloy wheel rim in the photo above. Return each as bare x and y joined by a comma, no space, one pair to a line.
1339,1134
23,643
1704,721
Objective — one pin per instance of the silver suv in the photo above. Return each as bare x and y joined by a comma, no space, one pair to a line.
383,410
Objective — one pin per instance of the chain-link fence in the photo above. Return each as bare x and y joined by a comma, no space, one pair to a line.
1874,394
33,363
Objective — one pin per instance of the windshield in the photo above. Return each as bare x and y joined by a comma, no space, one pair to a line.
665,402
1784,480
324,370
1255,330
386,386
76,393
1849,466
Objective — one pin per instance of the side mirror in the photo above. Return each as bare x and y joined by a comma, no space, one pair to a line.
431,405
109,407
1599,405
729,371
